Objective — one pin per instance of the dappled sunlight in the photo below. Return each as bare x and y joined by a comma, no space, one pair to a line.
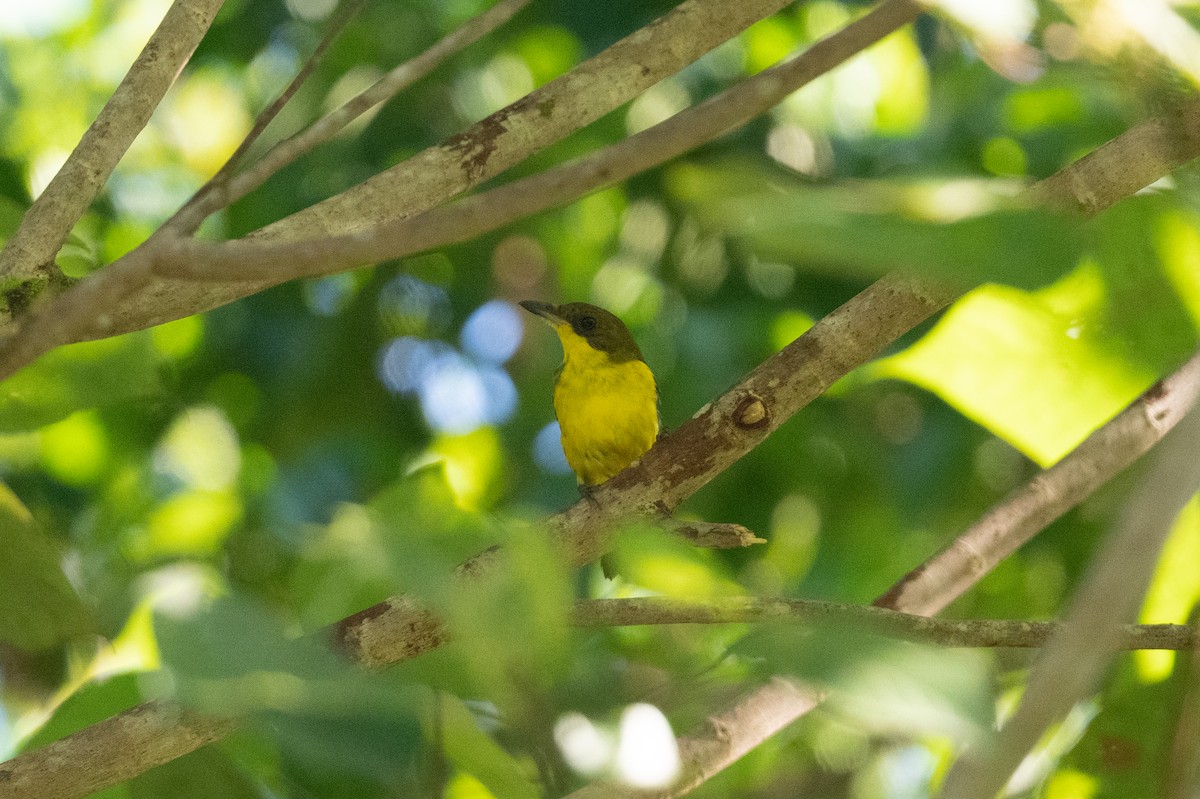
1173,593
1071,383
206,118
200,450
639,752
34,18
76,450
647,756
474,463
493,332
657,103
1178,245
1109,25
190,523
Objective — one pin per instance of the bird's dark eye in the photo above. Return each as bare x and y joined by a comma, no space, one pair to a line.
587,324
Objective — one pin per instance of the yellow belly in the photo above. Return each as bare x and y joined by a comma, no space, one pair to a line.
608,414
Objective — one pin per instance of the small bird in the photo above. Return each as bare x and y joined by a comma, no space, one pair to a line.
604,393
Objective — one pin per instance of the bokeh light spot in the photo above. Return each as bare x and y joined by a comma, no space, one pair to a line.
191,523
180,338
409,306
36,18
75,450
207,119
586,748
548,452
404,362
647,755
493,332
457,396
200,450
452,395
327,296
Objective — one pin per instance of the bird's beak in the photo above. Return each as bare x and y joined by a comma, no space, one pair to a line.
544,310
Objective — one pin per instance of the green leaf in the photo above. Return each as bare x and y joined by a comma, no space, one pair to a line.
882,684
90,703
11,214
225,657
202,774
234,658
408,539
38,606
963,232
1127,746
475,752
511,622
80,376
1036,377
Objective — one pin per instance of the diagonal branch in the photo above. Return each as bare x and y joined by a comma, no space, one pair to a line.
1033,506
45,227
227,188
188,218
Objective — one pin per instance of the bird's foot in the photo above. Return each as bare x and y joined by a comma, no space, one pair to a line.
588,492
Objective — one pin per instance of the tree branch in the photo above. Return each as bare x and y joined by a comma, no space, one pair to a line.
1033,506
188,218
227,188
864,618
109,752
45,227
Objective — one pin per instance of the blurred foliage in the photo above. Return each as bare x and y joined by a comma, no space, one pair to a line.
180,507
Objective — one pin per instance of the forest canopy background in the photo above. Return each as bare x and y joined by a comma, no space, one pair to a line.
180,502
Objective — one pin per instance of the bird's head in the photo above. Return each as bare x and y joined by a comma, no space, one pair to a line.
579,322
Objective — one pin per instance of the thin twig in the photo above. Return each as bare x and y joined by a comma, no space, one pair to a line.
48,222
213,194
865,618
321,131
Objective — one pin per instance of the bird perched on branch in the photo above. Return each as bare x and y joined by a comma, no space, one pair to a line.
604,393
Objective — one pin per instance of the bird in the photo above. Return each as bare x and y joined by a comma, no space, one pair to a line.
605,397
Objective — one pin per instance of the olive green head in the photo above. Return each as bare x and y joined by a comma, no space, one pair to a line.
600,329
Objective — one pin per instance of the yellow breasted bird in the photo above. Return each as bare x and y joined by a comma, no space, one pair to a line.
604,394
